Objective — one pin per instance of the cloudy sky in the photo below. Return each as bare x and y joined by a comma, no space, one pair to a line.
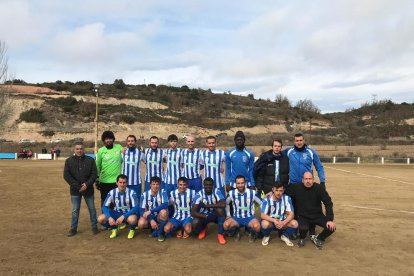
337,53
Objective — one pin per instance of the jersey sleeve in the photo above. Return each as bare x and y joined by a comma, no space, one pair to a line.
289,204
197,199
318,165
265,207
228,168
219,195
251,168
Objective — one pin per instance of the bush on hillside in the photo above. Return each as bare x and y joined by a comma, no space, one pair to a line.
32,115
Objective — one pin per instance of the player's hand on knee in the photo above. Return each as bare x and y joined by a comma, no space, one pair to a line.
154,225
331,225
120,220
112,221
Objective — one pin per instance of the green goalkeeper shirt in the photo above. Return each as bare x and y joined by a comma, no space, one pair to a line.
109,163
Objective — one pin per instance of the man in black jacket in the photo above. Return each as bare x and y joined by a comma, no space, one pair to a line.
80,173
271,167
308,198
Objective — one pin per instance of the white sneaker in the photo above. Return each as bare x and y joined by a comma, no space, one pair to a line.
286,240
265,240
312,237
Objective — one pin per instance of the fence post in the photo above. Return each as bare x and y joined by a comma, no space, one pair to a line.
358,160
382,160
334,160
408,161
35,156
54,156
15,155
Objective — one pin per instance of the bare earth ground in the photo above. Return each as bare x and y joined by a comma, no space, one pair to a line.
35,216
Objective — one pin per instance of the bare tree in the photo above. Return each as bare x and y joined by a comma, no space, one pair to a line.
307,105
282,101
4,91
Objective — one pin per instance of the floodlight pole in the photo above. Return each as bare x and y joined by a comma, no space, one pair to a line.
96,88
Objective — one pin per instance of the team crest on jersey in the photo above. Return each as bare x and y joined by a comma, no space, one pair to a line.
188,198
177,201
272,209
159,201
127,200
248,201
304,155
205,201
116,201
237,202
244,159
149,203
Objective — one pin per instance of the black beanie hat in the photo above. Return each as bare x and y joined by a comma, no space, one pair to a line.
239,134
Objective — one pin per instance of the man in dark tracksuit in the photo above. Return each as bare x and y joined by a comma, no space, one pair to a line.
80,173
308,197
271,167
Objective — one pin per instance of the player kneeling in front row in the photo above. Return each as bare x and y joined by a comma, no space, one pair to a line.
208,207
242,200
125,202
182,199
277,214
153,209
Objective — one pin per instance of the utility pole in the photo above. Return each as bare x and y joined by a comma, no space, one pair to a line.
96,88
310,129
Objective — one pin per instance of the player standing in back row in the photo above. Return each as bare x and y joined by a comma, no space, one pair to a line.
214,163
239,161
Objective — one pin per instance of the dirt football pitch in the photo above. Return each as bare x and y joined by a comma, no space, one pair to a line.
374,213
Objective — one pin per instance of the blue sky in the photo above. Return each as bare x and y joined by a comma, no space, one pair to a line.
339,54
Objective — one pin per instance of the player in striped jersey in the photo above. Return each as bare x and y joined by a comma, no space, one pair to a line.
208,206
131,165
277,214
182,199
153,209
172,157
239,161
213,163
242,200
125,208
192,163
153,160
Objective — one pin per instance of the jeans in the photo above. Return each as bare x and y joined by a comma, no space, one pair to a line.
76,203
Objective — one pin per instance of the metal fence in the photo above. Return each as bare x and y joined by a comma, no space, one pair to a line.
367,160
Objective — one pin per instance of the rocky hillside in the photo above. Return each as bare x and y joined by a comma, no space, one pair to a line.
65,110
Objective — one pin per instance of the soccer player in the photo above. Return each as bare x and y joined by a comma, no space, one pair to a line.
108,163
80,174
153,209
125,202
242,200
131,165
153,160
173,168
182,199
208,207
301,158
214,163
239,161
309,196
272,166
277,214
192,163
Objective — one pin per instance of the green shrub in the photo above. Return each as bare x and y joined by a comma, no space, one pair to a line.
33,115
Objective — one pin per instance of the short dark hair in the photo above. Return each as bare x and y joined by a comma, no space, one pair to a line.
278,185
132,136
299,134
277,140
107,134
153,137
182,179
121,176
211,137
155,179
172,137
78,143
208,180
240,176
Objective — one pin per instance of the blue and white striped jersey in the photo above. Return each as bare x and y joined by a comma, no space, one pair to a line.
173,167
191,161
149,202
277,208
206,199
122,202
154,166
131,166
182,203
243,203
213,164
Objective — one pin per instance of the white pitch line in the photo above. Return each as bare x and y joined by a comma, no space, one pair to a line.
379,209
369,175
